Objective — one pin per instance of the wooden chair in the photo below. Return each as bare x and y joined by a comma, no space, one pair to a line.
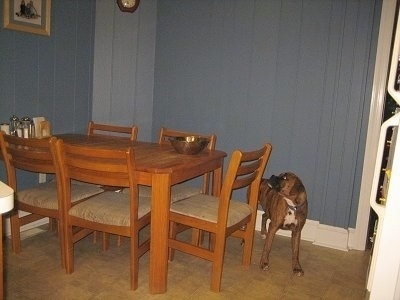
94,129
221,216
116,213
41,200
183,190
106,129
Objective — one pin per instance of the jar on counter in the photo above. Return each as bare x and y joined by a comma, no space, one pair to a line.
26,127
14,123
32,131
18,130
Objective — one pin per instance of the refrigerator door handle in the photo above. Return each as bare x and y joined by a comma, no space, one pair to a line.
393,121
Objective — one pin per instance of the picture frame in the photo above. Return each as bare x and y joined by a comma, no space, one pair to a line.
32,16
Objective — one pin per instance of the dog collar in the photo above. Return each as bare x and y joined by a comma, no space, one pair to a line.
290,203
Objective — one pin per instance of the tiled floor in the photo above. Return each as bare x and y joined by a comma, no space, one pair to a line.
36,273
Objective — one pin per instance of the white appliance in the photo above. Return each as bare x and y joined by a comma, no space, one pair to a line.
6,199
384,270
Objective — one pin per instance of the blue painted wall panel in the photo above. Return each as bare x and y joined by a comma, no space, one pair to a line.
294,73
51,76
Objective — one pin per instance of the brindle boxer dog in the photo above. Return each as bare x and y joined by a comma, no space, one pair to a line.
284,201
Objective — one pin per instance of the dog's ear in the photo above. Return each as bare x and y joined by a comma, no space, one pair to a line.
297,188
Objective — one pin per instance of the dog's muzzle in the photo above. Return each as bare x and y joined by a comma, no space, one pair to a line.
274,181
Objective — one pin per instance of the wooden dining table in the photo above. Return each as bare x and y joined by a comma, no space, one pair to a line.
160,167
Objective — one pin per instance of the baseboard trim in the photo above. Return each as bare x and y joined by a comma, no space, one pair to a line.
313,231
7,226
319,234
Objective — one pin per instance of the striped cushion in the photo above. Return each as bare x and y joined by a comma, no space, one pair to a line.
109,208
205,207
44,195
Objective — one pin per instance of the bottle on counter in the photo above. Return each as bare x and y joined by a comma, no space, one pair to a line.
14,122
19,130
32,131
25,127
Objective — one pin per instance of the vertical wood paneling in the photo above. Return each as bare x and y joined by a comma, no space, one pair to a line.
102,72
65,81
46,76
6,72
85,16
338,117
285,96
144,79
309,99
291,72
123,65
365,35
50,76
25,72
263,81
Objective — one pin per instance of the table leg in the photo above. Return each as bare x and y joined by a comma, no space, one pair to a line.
160,204
217,181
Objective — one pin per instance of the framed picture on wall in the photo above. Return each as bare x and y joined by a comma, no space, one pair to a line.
31,16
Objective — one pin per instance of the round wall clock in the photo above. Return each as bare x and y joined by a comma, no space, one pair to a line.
128,5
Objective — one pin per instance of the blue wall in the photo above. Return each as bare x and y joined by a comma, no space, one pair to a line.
293,73
123,78
50,76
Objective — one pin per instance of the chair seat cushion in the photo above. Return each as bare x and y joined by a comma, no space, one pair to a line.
109,208
44,195
205,207
178,192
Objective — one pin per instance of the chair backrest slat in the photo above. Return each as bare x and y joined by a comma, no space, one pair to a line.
31,154
245,170
98,166
116,130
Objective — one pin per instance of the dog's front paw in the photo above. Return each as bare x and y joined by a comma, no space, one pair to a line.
298,272
264,266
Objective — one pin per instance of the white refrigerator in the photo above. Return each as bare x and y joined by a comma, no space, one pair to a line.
383,280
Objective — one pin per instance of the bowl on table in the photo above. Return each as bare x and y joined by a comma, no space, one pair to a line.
189,145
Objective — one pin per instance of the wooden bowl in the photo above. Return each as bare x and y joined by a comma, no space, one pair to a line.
189,145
